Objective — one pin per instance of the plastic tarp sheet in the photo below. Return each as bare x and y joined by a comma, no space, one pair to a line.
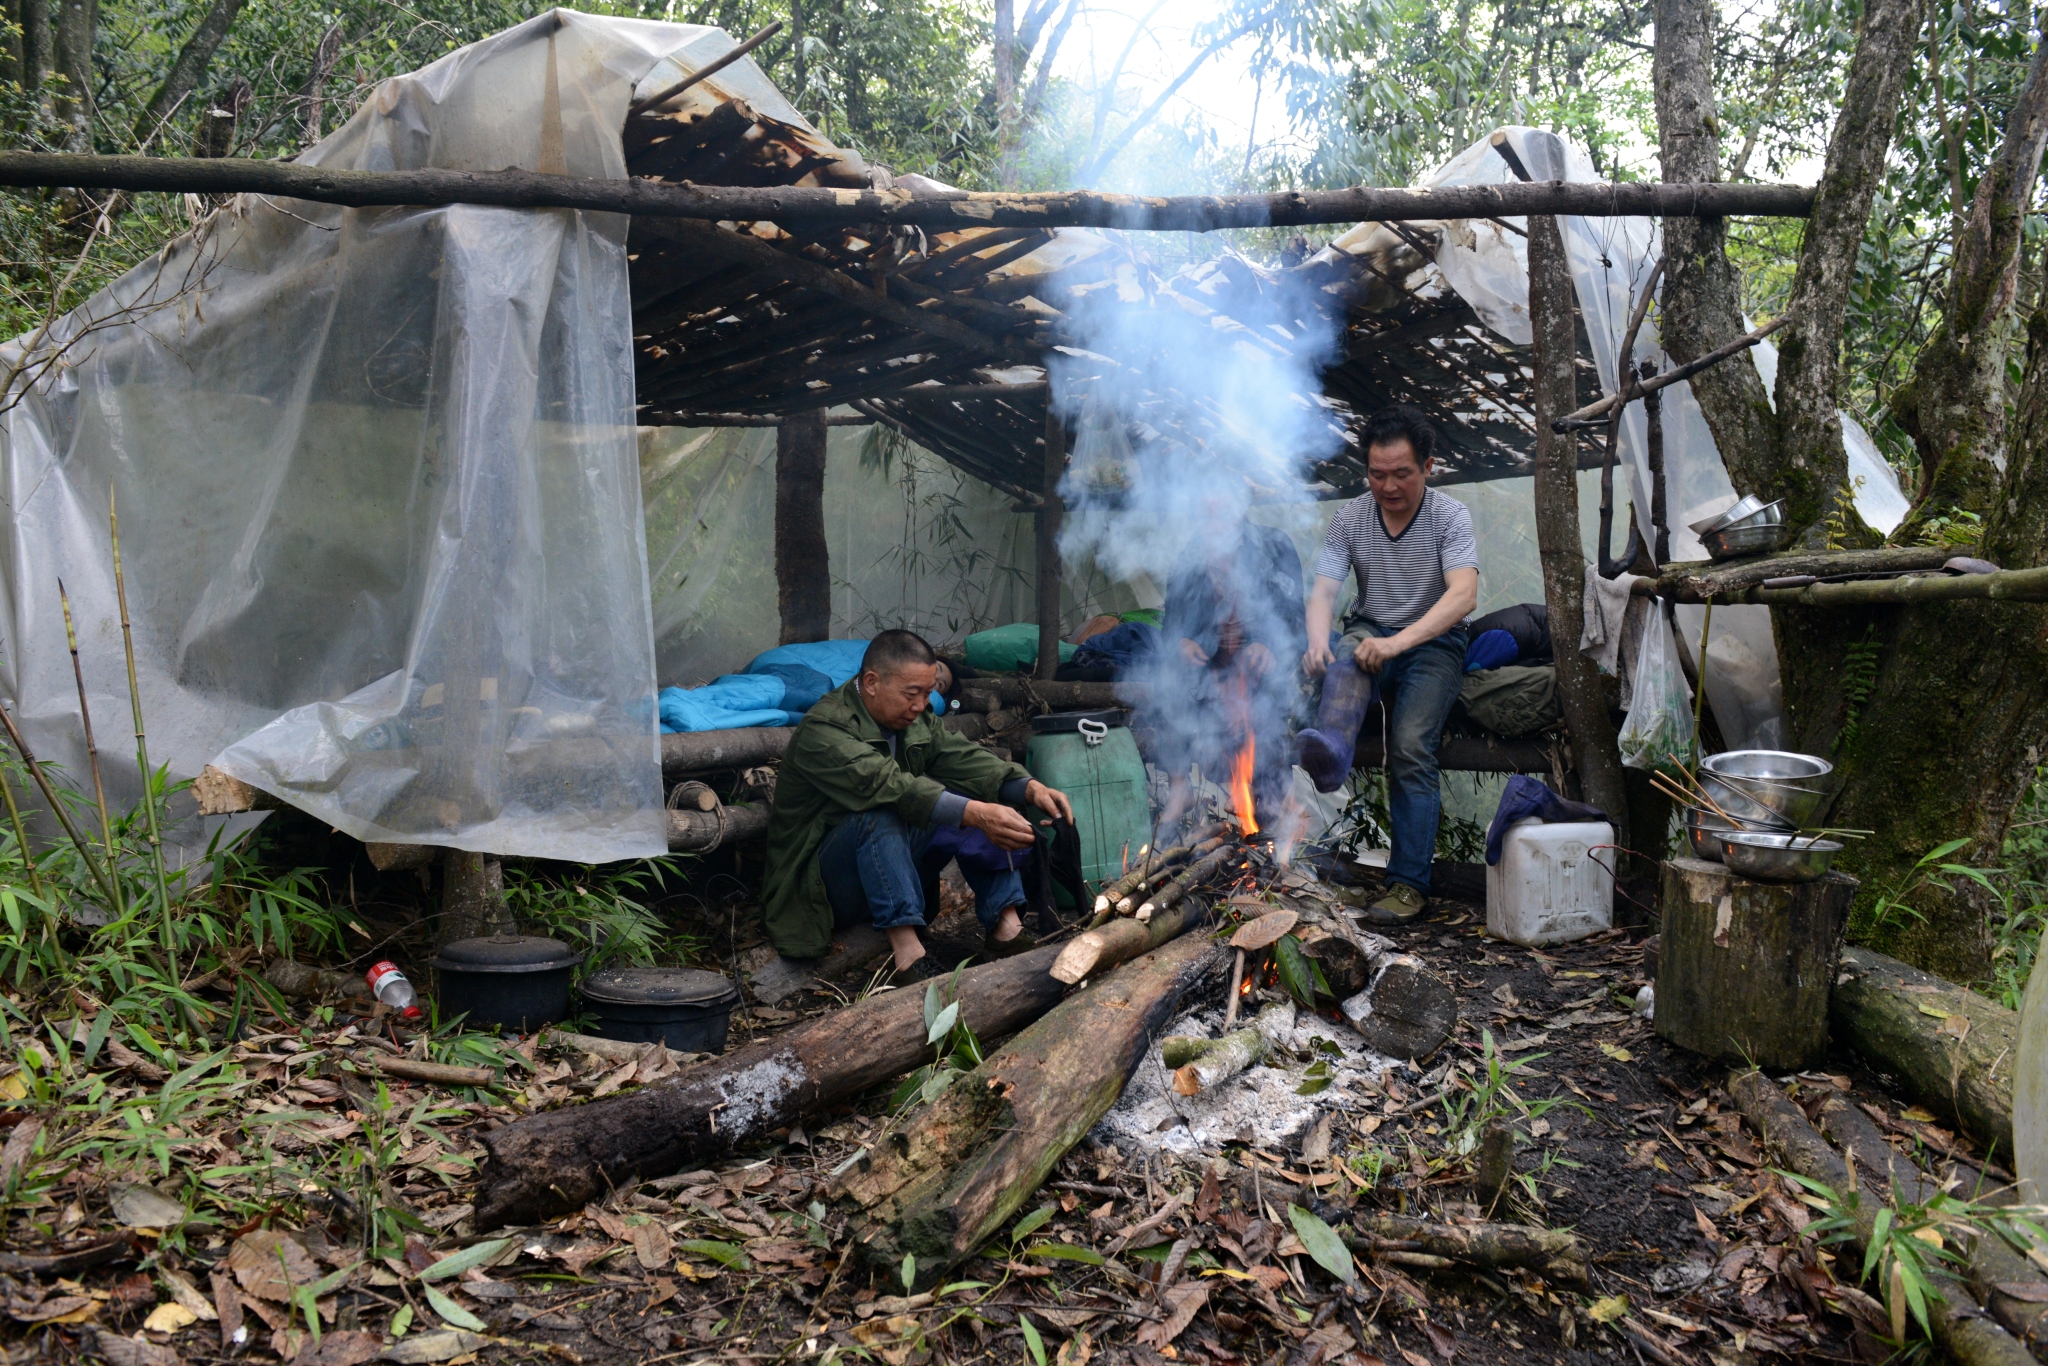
377,471
1610,259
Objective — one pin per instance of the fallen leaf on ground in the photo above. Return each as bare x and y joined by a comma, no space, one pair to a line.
1186,1301
141,1207
119,1351
1440,1338
269,1265
185,1293
452,1313
169,1317
1609,1309
1618,1053
443,1344
652,1245
340,1347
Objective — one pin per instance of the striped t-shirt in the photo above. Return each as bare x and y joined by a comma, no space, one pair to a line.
1399,577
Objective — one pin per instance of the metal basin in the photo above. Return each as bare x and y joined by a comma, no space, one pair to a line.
1768,787
1765,514
1704,829
1729,542
1741,507
1778,858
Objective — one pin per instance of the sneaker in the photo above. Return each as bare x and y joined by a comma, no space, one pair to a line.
992,947
1401,905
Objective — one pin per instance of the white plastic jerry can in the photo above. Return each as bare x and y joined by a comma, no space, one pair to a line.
1550,885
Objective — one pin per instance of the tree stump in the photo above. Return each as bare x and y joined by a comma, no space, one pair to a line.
472,897
1745,968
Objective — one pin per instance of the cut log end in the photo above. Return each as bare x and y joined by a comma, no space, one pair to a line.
220,795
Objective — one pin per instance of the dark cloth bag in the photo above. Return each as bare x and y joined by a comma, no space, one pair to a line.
1527,796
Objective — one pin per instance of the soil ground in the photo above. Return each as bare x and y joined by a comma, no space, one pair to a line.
1694,1245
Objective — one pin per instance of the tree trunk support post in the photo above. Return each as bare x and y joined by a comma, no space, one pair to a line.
472,897
1745,969
1595,749
803,572
1048,529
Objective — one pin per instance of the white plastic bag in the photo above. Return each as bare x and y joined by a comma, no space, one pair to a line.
1658,730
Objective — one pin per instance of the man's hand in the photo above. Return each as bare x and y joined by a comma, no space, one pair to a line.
1193,653
1258,659
1317,657
1005,828
1374,651
1050,800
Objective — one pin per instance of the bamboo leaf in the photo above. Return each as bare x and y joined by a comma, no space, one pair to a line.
476,1254
453,1314
1032,1342
1030,1224
725,1254
1322,1243
1295,978
1065,1252
942,1025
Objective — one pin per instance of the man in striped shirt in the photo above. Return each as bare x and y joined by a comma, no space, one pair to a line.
1417,563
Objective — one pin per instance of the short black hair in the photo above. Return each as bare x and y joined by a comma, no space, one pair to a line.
1402,422
894,650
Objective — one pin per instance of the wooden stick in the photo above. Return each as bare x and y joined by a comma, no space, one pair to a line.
156,841
1236,988
653,105
440,1074
2007,585
1121,940
1590,415
42,781
954,209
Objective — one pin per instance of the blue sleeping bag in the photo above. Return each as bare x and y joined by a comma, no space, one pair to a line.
775,689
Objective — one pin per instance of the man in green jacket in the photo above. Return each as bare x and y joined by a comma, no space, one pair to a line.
869,780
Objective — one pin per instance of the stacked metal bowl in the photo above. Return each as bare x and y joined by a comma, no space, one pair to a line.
1750,527
1768,796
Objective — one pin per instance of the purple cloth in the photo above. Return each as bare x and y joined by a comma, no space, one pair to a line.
1526,796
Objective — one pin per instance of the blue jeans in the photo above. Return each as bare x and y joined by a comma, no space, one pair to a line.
1419,688
874,867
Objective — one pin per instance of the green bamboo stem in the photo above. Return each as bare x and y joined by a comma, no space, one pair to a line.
92,753
35,874
156,839
35,771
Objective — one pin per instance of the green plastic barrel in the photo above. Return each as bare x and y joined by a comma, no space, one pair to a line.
1092,758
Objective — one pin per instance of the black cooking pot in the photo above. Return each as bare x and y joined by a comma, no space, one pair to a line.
518,982
686,1009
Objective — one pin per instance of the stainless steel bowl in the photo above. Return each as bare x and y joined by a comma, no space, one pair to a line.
1770,514
1769,787
1704,829
1778,858
1729,542
1741,507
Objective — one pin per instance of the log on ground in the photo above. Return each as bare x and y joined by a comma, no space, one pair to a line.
548,1164
702,831
1553,1251
709,751
940,1187
1962,1333
1949,1048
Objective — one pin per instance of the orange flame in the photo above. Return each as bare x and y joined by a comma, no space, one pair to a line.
1241,788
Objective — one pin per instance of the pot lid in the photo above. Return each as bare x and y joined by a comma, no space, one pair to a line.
507,953
658,987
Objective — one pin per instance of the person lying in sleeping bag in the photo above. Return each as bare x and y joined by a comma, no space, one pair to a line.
776,688
1514,635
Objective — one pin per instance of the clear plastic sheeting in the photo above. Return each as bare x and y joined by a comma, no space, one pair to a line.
377,471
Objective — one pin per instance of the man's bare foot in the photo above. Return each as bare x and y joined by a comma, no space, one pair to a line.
1008,926
905,944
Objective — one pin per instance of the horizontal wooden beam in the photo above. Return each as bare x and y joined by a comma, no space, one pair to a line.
942,209
1595,414
1721,580
2007,585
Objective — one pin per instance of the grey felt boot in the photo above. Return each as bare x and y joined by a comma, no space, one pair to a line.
1327,746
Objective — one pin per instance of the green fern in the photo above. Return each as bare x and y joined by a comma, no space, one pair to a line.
1859,679
1954,529
1837,521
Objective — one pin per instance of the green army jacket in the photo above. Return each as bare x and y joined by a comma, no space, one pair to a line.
838,764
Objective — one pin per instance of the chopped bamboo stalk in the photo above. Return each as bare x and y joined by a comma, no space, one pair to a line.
92,753
1134,880
156,839
42,781
1121,940
35,874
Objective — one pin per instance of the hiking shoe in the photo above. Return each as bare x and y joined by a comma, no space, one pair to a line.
992,947
1401,905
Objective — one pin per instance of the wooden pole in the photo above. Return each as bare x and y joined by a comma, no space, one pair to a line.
803,572
1594,745
945,209
1047,519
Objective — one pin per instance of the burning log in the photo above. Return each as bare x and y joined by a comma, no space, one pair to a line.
1199,1064
942,1186
548,1164
1150,867
1221,853
1122,940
